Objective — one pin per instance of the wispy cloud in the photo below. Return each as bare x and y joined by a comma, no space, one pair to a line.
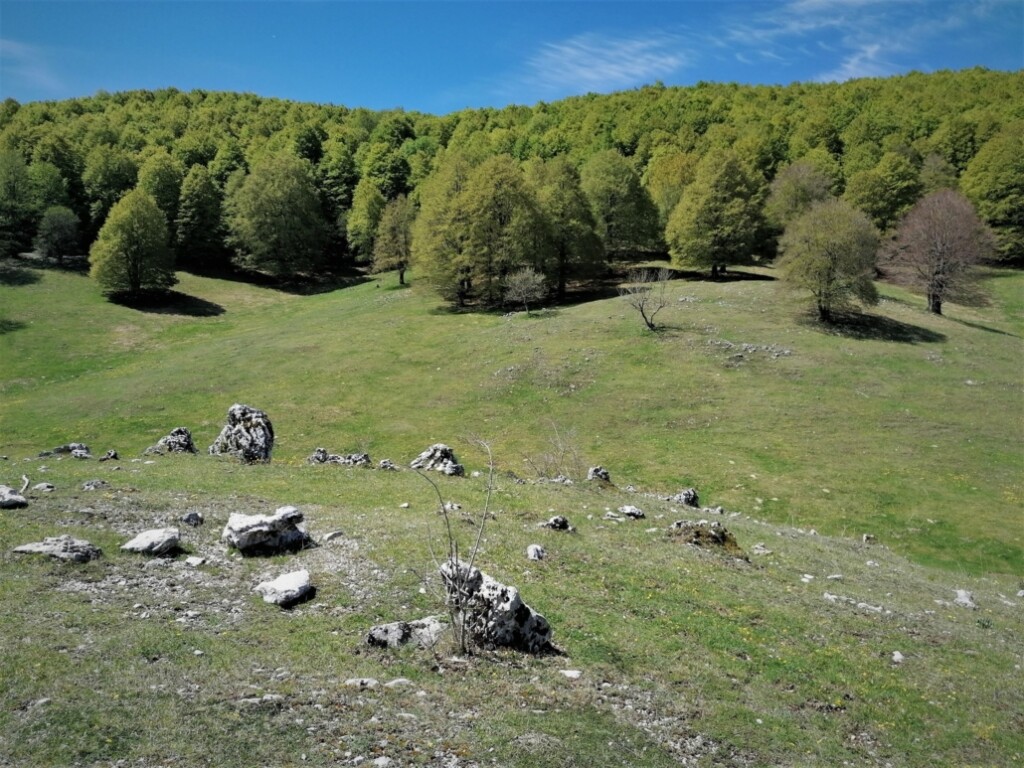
866,62
593,62
28,66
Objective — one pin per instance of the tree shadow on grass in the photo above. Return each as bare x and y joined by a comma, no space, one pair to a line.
169,303
981,327
10,326
868,327
299,285
14,274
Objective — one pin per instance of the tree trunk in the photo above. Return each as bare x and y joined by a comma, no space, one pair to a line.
401,275
935,303
824,313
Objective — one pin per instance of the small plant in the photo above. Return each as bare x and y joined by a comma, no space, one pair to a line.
647,293
525,285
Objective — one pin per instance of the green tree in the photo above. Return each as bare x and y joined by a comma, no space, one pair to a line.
831,251
392,248
161,176
49,187
627,221
885,192
577,251
131,254
58,233
367,207
274,218
668,173
937,173
17,205
387,169
794,190
718,219
994,182
938,245
108,174
199,232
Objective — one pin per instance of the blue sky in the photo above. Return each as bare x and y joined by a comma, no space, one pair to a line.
443,56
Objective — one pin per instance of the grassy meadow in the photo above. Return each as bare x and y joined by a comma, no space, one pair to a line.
902,425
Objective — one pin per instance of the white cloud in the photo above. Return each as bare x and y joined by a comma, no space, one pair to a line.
27,65
600,63
865,62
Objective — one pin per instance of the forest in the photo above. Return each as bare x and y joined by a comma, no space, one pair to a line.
483,201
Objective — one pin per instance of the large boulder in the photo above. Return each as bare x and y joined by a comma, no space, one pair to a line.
491,613
286,590
423,632
321,456
248,435
158,542
178,440
438,458
11,499
266,534
62,548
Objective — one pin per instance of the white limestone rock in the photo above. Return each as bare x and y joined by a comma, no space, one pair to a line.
439,458
157,542
424,633
266,534
286,589
11,499
249,435
62,548
535,552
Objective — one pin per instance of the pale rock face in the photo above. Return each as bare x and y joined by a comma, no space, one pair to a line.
159,541
44,487
493,613
62,548
424,633
248,435
599,473
535,552
266,534
11,499
633,513
964,599
687,497
439,458
287,589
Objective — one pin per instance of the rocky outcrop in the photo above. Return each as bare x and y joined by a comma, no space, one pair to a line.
76,450
707,535
286,590
599,473
266,534
424,633
11,499
687,497
178,440
492,614
157,542
248,435
321,456
438,458
62,548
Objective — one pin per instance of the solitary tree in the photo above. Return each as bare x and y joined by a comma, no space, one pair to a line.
131,254
939,243
58,233
647,293
525,285
831,252
392,248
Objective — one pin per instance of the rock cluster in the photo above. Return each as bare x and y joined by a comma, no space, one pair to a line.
438,458
178,440
492,614
266,534
62,548
11,499
77,451
321,456
424,633
248,435
705,534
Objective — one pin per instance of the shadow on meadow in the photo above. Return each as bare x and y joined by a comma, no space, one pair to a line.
9,326
13,274
169,303
865,326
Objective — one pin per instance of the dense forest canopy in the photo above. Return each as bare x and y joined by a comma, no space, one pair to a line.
229,170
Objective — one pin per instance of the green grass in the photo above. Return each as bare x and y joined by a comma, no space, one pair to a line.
686,657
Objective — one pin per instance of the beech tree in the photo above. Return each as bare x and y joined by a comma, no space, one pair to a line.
994,182
17,205
108,174
161,176
795,189
58,233
199,232
627,221
367,207
939,243
831,251
392,248
886,191
131,253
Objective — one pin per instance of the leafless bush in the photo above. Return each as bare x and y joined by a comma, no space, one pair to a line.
647,293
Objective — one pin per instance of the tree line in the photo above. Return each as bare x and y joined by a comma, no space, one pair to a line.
712,176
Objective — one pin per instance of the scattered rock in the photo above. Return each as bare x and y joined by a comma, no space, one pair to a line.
867,538
688,497
964,599
492,613
438,458
404,505
286,590
266,534
557,523
451,506
11,499
321,456
44,487
424,633
705,534
333,535
572,674
194,562
248,435
178,440
77,451
95,485
157,542
62,548
387,465
362,683
193,519
599,473
897,657
633,513
398,682
110,456
760,549
535,552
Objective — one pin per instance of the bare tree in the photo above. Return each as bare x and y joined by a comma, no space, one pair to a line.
647,293
938,244
525,285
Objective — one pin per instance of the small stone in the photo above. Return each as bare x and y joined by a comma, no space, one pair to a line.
286,590
194,562
687,496
897,657
964,599
197,652
599,473
760,549
159,541
44,487
868,538
633,513
266,534
193,519
333,535
535,552
438,458
110,456
362,683
95,485
835,577
807,578
248,434
404,505
179,440
572,674
11,499
398,682
382,762
557,523
423,633
387,465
